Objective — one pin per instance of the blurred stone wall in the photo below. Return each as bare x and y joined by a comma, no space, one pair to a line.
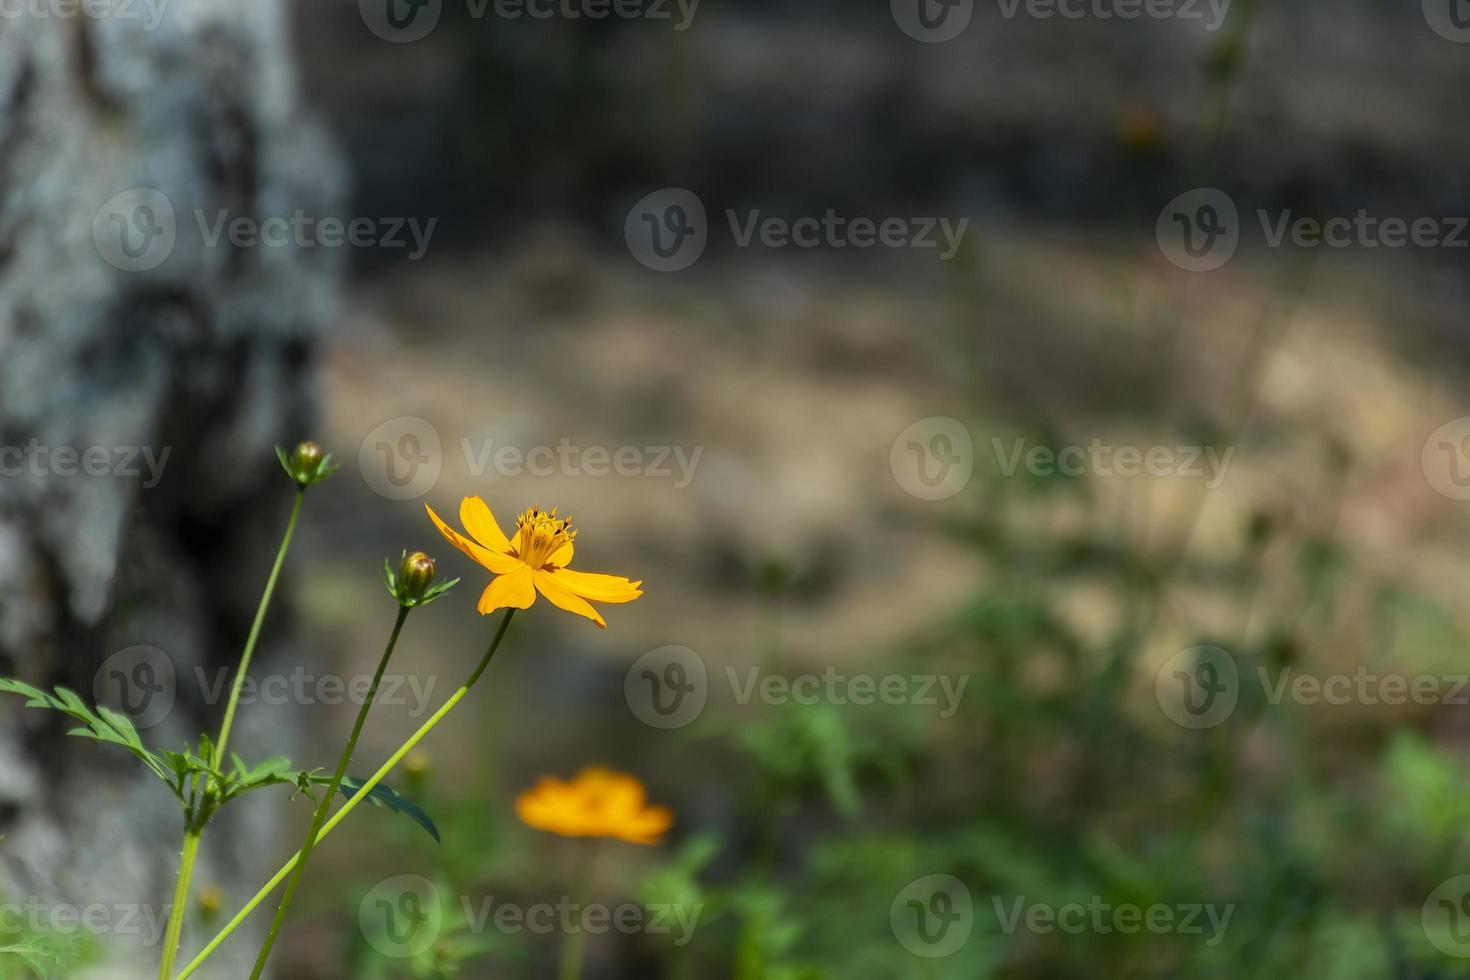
147,369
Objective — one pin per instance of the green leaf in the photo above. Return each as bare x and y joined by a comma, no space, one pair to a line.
386,796
103,725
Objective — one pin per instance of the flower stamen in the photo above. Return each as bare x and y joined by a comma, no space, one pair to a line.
540,534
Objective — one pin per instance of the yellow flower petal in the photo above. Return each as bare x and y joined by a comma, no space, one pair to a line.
497,563
598,587
512,590
477,519
598,802
646,827
562,556
563,599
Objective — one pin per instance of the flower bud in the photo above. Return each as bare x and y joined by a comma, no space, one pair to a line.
305,458
416,770
307,464
415,575
211,902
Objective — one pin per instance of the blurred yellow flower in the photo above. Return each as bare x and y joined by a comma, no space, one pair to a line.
534,560
596,803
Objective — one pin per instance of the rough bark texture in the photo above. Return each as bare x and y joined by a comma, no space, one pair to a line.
205,357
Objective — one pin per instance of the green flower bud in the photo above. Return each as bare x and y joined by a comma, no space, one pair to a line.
416,770
415,575
412,584
306,457
307,464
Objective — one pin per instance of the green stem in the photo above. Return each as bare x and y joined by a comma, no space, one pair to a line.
574,940
325,806
573,946
200,808
244,669
362,794
175,931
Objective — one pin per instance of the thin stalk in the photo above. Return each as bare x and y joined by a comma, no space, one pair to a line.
361,795
174,934
250,641
574,940
325,806
200,809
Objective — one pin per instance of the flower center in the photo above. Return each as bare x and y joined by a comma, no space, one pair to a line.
542,535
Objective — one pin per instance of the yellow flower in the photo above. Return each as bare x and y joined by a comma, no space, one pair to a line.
596,803
534,560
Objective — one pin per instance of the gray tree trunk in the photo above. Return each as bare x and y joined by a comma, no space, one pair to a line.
115,129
